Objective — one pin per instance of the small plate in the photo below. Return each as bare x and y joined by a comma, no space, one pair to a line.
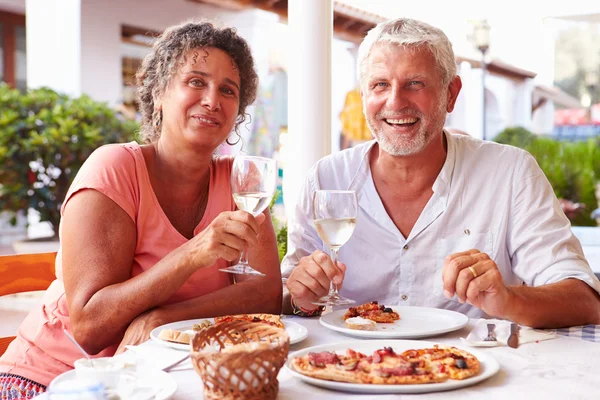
488,367
296,331
414,323
155,381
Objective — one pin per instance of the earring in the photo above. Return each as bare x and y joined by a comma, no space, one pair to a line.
239,137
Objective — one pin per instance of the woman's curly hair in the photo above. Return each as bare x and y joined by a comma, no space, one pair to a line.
168,54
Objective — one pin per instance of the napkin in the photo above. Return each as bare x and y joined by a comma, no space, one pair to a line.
502,330
155,355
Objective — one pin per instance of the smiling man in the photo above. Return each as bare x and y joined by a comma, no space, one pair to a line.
444,220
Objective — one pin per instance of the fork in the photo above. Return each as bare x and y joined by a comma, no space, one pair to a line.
491,336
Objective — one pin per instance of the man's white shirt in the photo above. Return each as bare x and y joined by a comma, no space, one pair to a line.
488,196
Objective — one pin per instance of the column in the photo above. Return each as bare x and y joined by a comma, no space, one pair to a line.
54,45
309,97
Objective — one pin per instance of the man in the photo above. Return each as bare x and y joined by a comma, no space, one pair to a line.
445,220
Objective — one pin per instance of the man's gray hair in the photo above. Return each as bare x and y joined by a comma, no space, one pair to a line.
412,33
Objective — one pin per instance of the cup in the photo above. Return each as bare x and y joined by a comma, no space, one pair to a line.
106,370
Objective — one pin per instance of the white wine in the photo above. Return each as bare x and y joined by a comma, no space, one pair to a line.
335,231
252,202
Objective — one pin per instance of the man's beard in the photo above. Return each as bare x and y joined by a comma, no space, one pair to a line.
405,145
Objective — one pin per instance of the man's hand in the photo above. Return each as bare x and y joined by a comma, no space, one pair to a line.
475,279
311,279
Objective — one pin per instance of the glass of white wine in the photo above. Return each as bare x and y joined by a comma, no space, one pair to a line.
253,183
334,214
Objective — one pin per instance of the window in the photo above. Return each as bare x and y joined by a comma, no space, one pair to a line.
13,69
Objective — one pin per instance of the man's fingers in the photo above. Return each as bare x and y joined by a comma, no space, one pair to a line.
303,285
334,273
455,264
484,283
467,276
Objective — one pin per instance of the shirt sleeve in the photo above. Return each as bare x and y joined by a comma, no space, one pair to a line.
111,171
542,246
302,235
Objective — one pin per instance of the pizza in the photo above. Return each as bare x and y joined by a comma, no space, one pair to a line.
457,363
271,319
373,311
386,367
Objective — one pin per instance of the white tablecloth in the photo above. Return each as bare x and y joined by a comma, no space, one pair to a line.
564,368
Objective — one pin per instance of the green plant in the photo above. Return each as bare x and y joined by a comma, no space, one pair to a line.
572,168
280,228
44,139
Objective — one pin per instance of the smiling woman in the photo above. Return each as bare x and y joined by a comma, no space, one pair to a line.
145,229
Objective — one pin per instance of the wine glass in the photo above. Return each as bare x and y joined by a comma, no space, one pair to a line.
253,183
334,214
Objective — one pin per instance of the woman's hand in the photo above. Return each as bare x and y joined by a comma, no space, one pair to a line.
139,329
226,237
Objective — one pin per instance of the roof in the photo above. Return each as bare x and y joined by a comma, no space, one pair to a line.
557,96
349,23
500,68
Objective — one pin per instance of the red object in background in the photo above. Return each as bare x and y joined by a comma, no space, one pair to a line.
578,116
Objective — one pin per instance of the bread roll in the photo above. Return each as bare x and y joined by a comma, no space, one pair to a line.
172,335
361,323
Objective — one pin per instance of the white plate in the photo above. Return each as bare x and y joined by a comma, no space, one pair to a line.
414,323
489,366
148,378
296,331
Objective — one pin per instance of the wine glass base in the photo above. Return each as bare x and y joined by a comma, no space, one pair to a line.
242,269
333,299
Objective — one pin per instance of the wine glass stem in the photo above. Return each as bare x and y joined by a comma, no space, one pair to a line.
334,257
243,257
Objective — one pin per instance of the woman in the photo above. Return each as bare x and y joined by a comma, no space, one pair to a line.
145,229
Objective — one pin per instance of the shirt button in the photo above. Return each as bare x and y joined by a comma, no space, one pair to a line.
404,297
467,232
405,247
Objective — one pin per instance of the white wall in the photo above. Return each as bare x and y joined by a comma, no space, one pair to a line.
101,36
99,73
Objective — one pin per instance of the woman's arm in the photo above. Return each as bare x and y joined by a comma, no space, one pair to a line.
251,294
98,245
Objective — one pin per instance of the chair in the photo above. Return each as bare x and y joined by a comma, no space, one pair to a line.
24,273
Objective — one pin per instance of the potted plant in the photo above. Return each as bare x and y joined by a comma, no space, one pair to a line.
44,139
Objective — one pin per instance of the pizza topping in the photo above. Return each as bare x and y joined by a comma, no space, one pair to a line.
379,354
387,309
348,364
461,363
322,358
354,354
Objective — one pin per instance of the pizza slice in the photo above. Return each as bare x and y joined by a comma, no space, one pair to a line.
373,311
457,363
332,366
271,319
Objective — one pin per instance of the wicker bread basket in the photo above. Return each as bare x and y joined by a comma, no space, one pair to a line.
240,360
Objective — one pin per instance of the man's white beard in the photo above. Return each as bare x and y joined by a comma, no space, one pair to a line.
401,145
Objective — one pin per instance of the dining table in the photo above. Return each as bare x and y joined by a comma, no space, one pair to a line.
566,367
